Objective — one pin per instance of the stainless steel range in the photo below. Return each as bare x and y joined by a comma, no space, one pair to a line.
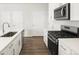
65,32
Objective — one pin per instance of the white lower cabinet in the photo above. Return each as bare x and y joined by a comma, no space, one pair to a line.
14,47
18,44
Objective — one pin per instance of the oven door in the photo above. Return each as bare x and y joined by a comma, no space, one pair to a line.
63,12
53,48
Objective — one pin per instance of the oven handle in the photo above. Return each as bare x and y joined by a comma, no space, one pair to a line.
62,12
53,38
53,41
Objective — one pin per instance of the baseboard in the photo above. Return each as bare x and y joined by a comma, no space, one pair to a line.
32,36
37,36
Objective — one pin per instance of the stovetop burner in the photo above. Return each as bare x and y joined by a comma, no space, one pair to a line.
62,34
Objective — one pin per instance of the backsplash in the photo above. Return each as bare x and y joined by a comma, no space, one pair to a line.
57,24
13,18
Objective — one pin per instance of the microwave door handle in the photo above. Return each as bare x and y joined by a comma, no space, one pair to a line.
62,12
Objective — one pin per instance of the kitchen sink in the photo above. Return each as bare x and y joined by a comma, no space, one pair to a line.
9,34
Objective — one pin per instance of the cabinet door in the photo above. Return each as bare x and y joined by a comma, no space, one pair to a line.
74,11
53,48
18,44
16,48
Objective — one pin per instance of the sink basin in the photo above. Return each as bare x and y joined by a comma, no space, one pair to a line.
9,34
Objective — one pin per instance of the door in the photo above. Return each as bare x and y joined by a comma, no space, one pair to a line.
39,23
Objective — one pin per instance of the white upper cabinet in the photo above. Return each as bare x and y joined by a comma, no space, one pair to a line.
74,11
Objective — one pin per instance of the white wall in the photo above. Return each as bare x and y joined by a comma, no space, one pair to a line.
35,15
11,12
54,24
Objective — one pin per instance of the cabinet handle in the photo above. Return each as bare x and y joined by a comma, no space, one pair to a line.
62,12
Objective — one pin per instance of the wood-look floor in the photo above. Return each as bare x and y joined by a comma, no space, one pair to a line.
34,46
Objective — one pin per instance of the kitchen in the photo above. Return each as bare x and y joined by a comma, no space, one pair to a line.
24,28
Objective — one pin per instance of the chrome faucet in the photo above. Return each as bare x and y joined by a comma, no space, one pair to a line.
4,24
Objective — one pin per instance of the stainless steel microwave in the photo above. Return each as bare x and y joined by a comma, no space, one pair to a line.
62,12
